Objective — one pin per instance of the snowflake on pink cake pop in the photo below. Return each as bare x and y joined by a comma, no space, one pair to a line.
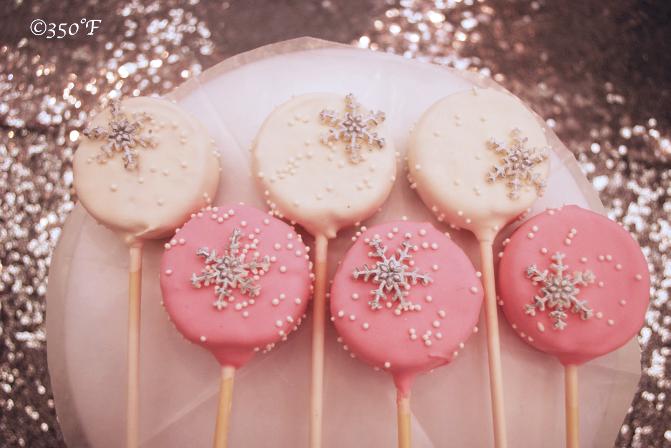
559,292
234,270
353,128
517,165
393,276
123,134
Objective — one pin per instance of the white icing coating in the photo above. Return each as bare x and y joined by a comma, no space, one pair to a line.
176,177
450,159
315,184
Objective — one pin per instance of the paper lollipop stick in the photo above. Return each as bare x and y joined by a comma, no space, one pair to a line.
479,159
225,405
143,167
404,300
133,361
323,162
235,281
574,285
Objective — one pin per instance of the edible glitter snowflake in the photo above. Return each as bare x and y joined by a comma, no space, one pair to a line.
517,165
353,128
230,271
559,292
392,275
123,134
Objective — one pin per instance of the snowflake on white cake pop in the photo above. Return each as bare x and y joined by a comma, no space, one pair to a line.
124,134
559,292
353,128
234,269
393,276
517,165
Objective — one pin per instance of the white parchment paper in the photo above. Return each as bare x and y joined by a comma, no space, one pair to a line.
87,300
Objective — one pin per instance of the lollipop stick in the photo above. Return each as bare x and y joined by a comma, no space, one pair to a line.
493,345
225,402
318,316
571,404
133,391
403,419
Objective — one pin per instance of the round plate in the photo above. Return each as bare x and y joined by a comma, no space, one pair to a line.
87,300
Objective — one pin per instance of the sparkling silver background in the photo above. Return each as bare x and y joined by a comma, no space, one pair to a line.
598,71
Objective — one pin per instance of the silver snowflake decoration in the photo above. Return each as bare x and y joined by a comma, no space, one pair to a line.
517,165
353,128
124,134
393,276
235,269
559,292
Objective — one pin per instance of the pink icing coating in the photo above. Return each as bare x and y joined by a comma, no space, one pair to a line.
618,295
234,333
384,339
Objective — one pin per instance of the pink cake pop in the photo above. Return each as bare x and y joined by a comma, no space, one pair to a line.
575,285
235,281
404,299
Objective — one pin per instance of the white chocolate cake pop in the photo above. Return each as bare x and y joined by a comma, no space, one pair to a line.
479,159
324,162
144,166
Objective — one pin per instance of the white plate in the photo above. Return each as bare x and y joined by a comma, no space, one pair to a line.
87,301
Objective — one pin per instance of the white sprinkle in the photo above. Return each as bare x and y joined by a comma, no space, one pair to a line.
540,326
365,326
278,323
611,322
436,323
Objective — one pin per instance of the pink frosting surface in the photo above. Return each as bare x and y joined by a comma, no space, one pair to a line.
617,296
248,322
445,312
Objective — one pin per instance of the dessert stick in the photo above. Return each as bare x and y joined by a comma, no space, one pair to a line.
478,160
142,167
404,300
575,285
323,162
235,281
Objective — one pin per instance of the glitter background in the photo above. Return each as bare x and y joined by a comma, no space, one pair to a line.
599,72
